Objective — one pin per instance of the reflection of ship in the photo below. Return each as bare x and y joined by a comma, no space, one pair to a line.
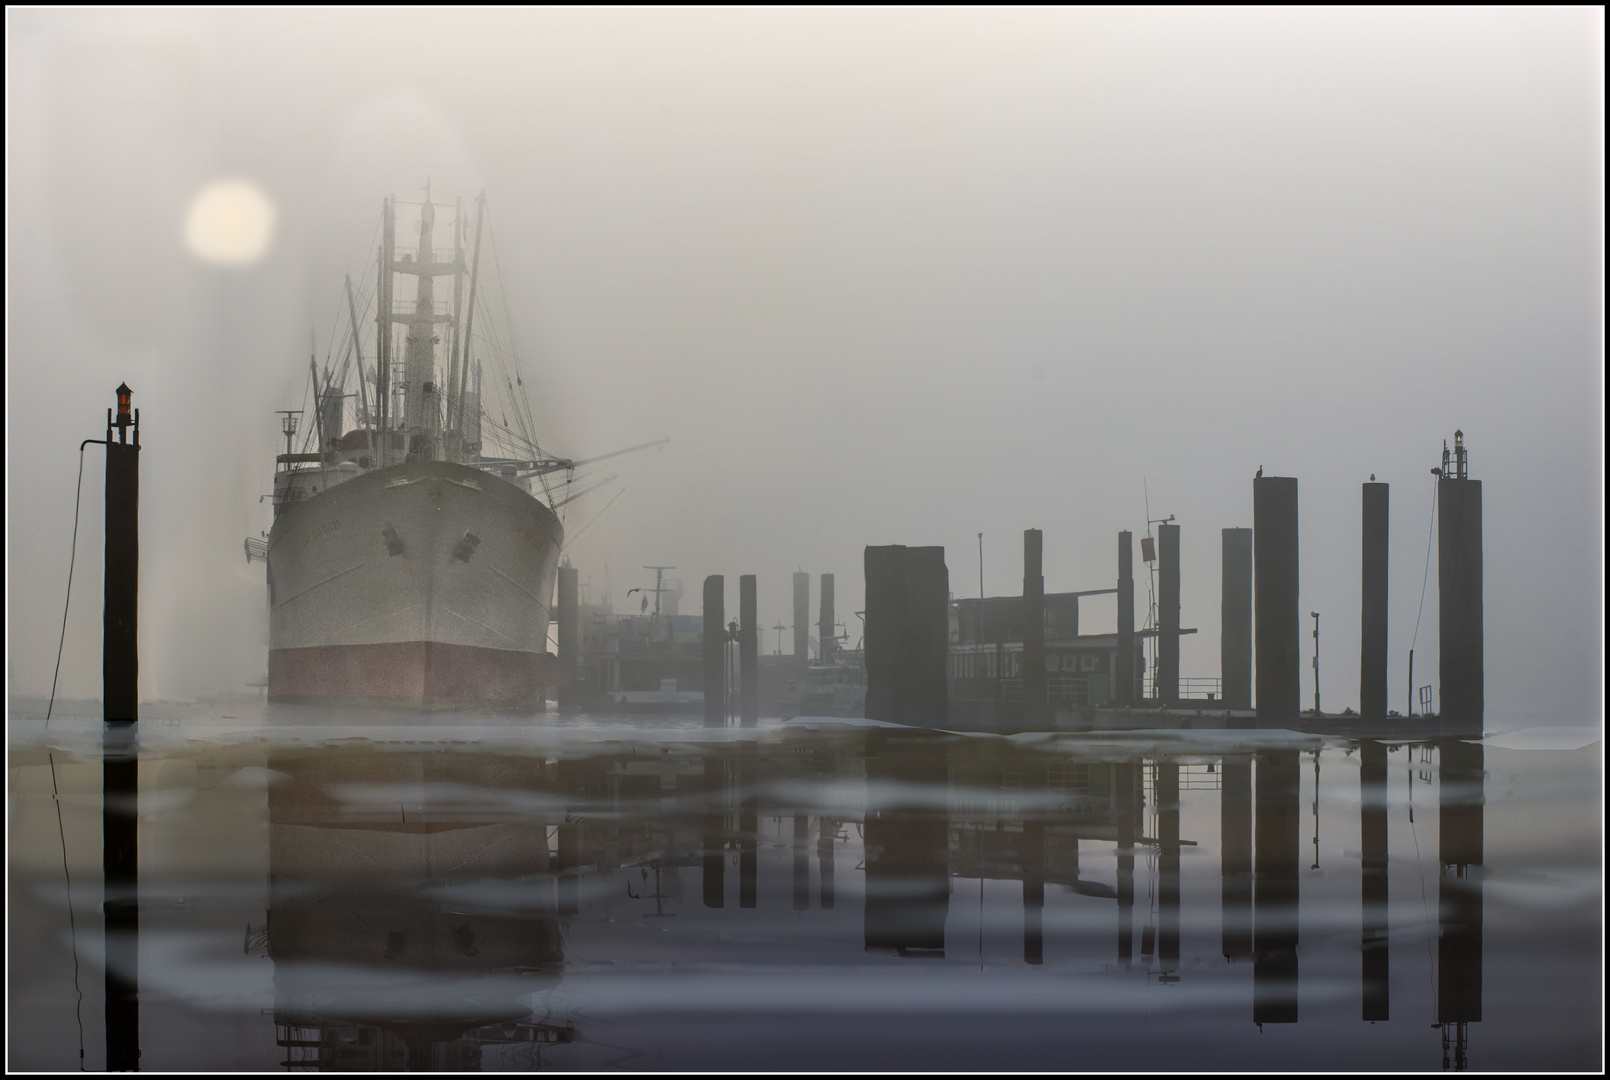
385,957
439,864
407,565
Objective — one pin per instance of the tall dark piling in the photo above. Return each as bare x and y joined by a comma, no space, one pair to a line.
1033,616
120,671
569,636
824,630
1372,625
715,649
1168,614
1235,855
120,650
1374,946
1124,668
907,634
1274,523
1235,619
748,653
802,618
1459,590
1274,884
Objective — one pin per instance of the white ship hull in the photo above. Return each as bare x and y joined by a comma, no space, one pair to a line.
420,585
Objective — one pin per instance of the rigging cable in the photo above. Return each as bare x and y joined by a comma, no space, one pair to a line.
582,531
1430,532
72,557
502,292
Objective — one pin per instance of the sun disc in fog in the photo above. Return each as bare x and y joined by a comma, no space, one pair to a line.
229,223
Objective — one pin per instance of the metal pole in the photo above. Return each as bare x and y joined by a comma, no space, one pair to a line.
1411,682
1315,614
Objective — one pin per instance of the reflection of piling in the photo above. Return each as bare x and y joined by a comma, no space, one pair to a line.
1168,615
569,868
1034,892
907,634
1235,619
569,636
713,827
1124,668
573,782
748,652
1128,812
1376,950
715,649
802,617
826,829
1274,524
1459,599
1372,627
120,668
1459,898
907,870
802,862
748,827
1034,695
1235,851
1167,787
1274,887
120,855
824,629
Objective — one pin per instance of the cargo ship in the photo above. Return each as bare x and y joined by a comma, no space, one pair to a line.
412,558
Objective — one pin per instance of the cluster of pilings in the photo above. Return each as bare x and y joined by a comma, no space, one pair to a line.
906,617
719,696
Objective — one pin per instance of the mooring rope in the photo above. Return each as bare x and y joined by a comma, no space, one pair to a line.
1430,532
72,557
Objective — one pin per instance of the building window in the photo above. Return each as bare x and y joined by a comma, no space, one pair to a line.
1089,662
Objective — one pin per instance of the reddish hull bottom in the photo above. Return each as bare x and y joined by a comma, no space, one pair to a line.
412,674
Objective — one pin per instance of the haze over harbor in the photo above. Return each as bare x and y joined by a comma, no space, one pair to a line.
882,279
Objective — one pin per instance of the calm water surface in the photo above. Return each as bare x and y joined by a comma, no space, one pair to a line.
320,892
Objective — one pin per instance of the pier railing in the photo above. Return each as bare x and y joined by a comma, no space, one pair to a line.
1196,688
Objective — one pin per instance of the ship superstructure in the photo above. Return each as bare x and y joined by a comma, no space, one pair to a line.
408,566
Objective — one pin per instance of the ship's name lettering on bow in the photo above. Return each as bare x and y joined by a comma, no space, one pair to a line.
319,532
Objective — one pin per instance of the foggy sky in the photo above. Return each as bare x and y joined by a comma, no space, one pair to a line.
882,276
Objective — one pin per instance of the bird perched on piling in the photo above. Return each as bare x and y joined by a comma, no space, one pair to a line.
1372,478
1260,473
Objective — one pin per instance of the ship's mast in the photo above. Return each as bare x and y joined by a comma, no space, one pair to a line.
357,347
469,324
455,432
419,350
383,330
